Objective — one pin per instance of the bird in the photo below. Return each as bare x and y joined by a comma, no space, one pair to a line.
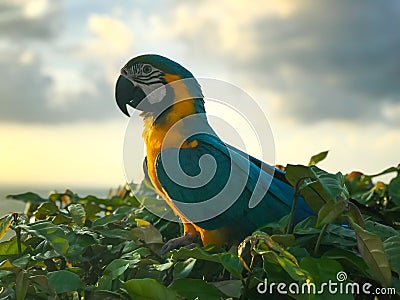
220,193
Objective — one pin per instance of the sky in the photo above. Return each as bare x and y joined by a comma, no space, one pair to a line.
326,74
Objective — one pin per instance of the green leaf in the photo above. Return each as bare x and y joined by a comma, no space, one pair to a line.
148,197
278,226
40,280
91,211
148,289
323,270
142,252
229,261
231,288
7,293
284,239
105,282
182,269
319,187
299,252
396,285
307,226
78,213
330,211
116,268
46,209
262,244
232,263
383,231
332,184
21,285
339,236
61,219
107,295
78,243
7,265
392,246
354,213
163,267
5,223
386,171
10,247
100,222
28,197
4,273
192,289
23,260
317,158
148,234
116,233
64,281
349,258
394,190
371,249
198,253
51,233
113,202
289,265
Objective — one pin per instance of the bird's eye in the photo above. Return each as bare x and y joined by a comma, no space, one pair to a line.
146,69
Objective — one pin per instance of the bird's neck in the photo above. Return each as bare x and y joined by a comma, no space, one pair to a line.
178,118
187,101
174,125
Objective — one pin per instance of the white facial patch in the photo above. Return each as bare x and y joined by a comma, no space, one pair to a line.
155,92
146,77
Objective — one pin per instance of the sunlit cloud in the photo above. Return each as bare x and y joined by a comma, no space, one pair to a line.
110,40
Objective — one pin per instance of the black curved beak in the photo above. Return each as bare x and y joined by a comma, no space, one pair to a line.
126,93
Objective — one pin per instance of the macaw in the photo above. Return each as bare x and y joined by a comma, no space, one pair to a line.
180,144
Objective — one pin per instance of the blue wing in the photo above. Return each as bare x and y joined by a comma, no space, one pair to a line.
228,176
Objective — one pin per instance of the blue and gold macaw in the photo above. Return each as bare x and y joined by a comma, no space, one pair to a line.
180,145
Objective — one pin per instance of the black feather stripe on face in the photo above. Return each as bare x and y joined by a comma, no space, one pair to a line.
135,73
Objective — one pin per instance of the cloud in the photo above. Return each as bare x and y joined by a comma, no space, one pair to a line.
327,60
109,44
341,65
27,93
321,60
30,19
48,81
110,32
223,27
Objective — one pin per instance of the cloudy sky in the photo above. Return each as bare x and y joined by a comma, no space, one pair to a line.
326,74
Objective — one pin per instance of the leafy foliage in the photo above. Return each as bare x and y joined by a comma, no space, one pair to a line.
71,247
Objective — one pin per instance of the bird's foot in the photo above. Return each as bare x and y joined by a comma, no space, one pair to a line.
188,240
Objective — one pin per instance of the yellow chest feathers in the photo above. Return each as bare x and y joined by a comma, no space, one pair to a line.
167,133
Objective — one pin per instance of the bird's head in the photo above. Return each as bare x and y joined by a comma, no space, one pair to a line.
147,82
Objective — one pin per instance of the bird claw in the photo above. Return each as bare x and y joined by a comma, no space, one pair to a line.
187,241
